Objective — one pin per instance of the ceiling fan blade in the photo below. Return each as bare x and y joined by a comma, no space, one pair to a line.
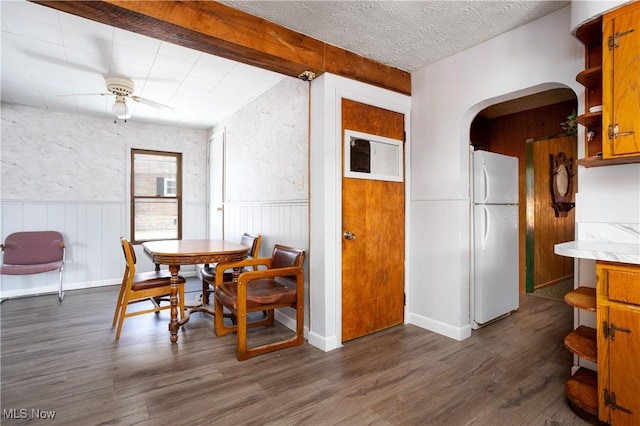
87,94
103,48
63,63
151,103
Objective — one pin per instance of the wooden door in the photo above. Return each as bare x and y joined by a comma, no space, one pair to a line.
545,229
373,210
619,366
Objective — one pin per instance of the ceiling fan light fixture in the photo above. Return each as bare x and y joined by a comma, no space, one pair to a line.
120,109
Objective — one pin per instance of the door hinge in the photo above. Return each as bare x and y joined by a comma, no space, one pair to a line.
614,40
609,331
610,400
614,132
404,299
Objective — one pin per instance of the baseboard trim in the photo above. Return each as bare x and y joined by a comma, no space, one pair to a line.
51,289
447,330
325,344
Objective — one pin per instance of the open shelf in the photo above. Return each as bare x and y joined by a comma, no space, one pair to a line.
583,298
590,33
582,390
583,342
590,119
599,161
590,77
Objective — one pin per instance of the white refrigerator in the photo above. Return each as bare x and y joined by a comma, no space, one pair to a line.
494,283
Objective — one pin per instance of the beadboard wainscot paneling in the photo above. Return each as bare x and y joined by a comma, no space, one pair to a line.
281,222
91,232
88,229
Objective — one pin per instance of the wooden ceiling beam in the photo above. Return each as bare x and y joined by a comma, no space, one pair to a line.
214,28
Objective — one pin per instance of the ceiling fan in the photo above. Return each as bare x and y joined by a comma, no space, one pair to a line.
122,88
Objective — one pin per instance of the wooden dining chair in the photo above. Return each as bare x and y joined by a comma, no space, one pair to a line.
209,271
280,285
141,287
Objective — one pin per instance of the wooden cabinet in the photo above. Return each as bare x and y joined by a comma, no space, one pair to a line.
618,334
621,82
612,87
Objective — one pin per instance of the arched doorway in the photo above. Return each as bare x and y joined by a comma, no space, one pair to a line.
505,128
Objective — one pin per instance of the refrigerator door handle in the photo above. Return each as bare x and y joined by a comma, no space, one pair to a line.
487,184
487,225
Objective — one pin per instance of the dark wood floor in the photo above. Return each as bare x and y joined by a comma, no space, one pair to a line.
63,358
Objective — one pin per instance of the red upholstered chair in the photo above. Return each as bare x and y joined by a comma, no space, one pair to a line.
141,287
280,285
26,253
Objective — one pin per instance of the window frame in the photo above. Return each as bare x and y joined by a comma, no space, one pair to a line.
134,198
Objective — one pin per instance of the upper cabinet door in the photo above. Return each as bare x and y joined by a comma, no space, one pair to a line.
621,82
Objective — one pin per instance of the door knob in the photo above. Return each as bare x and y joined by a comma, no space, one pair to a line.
349,235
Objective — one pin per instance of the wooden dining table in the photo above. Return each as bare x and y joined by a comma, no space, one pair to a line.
175,253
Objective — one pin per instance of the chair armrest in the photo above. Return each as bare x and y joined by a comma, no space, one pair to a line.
221,267
246,277
269,273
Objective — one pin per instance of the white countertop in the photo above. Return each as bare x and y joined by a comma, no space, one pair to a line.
600,250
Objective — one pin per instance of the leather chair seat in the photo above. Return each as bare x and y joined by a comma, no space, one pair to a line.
260,292
147,280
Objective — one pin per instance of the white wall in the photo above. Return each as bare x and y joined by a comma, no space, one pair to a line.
266,174
267,146
267,166
446,97
70,173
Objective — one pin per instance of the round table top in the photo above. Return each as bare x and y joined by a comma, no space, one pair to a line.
193,247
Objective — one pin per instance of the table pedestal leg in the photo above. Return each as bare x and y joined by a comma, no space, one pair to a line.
173,324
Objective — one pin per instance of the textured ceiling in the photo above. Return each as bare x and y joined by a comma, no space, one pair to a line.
403,34
46,53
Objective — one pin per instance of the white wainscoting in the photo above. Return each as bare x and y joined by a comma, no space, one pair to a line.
283,222
92,232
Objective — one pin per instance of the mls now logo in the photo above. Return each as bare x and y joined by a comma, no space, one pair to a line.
15,413
23,413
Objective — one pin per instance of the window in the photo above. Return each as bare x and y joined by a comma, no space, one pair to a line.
156,195
372,157
166,187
